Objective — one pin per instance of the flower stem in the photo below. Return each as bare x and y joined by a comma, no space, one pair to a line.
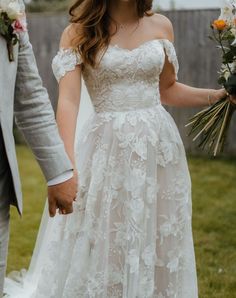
222,130
222,47
10,51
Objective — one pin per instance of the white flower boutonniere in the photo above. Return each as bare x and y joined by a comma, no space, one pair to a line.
12,22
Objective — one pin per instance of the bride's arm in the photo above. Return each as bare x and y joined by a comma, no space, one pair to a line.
69,100
177,94
180,95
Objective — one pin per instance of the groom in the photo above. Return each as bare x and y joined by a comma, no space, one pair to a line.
22,96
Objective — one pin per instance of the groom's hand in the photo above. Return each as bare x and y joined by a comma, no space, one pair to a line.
62,196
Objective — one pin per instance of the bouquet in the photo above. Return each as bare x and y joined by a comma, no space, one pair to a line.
12,22
212,124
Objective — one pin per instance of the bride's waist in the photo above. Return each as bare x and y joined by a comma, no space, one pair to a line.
123,104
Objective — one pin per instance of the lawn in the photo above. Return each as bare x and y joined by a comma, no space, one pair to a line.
214,221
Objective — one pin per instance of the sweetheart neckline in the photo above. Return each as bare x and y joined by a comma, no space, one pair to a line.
116,46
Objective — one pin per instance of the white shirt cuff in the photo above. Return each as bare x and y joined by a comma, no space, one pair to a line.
61,178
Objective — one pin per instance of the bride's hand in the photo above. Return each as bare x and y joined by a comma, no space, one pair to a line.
219,94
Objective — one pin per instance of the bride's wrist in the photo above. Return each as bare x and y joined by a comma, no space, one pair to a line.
215,95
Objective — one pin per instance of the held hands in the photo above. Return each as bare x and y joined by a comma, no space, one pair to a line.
61,196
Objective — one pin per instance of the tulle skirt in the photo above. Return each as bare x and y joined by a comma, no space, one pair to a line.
130,235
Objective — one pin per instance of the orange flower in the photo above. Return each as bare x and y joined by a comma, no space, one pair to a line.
219,24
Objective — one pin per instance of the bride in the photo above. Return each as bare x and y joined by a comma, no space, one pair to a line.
130,234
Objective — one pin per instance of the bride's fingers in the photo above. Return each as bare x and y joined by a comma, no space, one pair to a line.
77,195
65,209
62,211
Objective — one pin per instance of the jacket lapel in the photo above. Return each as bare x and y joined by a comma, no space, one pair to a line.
8,72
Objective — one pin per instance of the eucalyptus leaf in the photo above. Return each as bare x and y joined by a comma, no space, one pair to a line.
221,80
230,84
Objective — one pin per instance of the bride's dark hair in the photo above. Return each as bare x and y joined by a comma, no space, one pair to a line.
93,22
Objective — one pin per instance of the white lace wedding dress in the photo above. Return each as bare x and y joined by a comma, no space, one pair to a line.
130,235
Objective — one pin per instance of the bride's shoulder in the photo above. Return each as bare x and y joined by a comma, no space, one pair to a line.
69,34
162,25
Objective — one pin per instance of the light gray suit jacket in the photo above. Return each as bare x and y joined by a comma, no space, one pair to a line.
22,96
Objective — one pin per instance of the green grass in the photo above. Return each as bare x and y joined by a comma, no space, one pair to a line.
24,231
214,221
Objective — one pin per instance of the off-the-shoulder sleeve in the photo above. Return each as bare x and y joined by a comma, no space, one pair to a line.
65,61
171,54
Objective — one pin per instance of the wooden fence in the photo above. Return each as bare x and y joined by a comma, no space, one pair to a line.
198,58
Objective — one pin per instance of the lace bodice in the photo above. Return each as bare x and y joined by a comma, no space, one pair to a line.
124,79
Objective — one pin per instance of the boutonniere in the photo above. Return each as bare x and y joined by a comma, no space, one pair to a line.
12,22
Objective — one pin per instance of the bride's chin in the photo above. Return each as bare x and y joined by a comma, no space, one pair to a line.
126,0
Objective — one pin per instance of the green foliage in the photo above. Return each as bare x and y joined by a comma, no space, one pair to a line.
3,24
221,81
228,57
214,209
48,5
228,36
230,84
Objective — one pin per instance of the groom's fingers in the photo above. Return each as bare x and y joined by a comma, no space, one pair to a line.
52,205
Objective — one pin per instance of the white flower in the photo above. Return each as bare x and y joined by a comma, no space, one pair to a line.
12,8
149,255
174,261
225,71
170,292
140,147
135,182
173,265
136,207
233,31
152,190
133,260
233,66
228,11
165,230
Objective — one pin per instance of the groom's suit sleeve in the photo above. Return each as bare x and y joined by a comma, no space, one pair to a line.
35,117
